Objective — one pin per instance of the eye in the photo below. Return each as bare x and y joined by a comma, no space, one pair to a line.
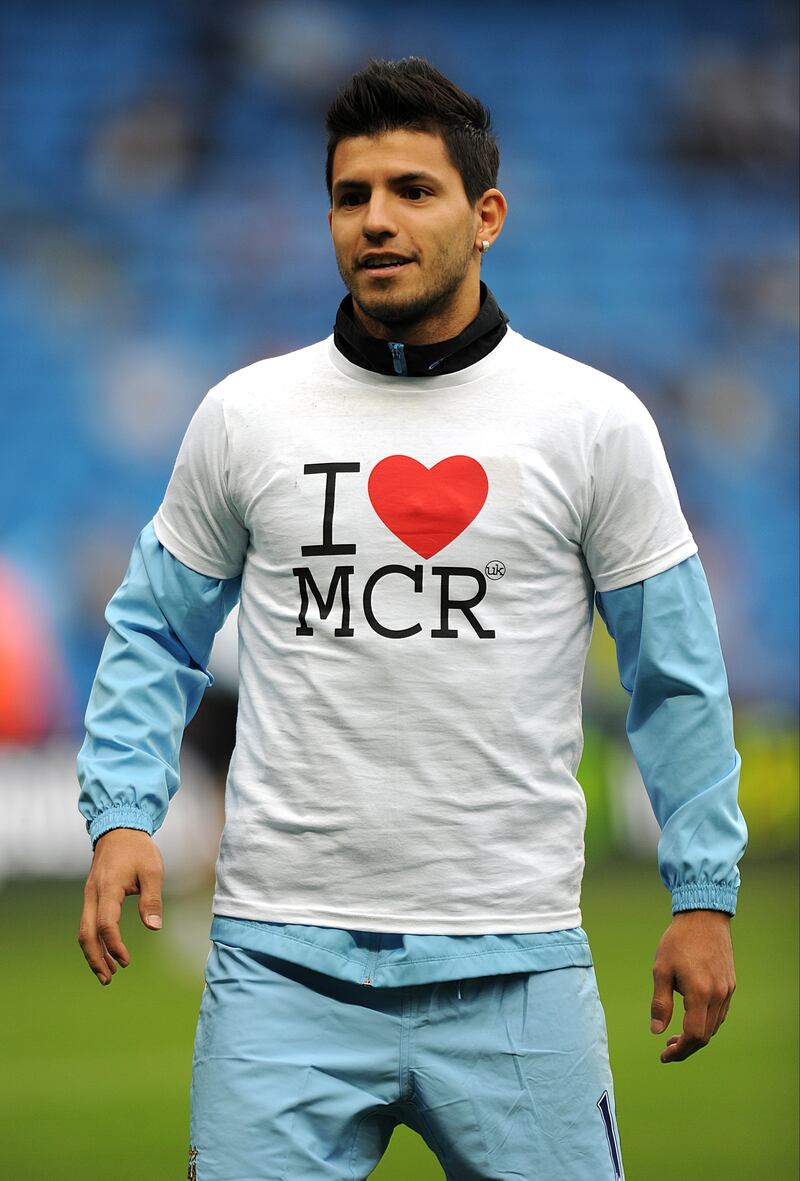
349,200
415,193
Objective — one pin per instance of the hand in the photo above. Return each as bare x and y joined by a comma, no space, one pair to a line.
125,862
694,958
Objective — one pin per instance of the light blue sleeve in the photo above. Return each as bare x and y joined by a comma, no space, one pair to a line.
680,728
151,677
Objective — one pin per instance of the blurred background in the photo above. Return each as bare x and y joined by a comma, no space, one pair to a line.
162,223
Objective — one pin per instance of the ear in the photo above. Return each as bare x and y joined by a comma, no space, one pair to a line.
490,209
330,220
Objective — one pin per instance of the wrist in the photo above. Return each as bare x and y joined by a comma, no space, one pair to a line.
706,914
111,834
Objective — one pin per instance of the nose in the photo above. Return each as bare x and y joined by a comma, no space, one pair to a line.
379,221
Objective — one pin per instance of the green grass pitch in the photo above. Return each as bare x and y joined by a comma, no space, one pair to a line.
94,1082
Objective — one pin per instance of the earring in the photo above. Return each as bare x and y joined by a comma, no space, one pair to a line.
485,246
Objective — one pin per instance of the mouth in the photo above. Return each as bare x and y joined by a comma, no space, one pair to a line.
384,266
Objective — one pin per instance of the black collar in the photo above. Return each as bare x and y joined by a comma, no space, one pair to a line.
421,360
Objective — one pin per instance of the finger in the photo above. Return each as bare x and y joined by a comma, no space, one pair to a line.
110,962
712,1021
109,909
693,1037
91,945
723,1011
682,1048
150,907
662,1003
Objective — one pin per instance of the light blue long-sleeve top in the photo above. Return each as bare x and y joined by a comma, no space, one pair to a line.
154,669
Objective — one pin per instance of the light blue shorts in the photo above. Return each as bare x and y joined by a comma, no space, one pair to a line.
301,1077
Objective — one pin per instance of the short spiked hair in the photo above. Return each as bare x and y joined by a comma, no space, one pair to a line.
411,94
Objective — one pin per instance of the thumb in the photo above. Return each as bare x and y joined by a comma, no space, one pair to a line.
662,1003
150,909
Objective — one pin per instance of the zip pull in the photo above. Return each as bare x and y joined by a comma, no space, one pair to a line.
398,352
374,944
459,990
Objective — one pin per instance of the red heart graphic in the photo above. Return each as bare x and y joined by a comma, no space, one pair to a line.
427,508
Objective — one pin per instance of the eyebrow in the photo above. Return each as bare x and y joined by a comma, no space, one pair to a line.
404,178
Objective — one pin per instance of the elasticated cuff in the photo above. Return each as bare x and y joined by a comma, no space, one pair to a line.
121,816
704,896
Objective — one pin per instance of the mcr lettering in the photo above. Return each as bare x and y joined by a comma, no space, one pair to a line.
426,508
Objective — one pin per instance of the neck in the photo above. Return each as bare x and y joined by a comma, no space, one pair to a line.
370,352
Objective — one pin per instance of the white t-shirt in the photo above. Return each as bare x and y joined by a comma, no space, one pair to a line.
419,557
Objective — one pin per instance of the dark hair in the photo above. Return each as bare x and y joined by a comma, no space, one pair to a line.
413,94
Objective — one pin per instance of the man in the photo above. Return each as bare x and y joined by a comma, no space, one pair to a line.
419,514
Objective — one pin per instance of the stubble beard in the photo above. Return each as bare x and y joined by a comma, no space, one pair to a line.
412,310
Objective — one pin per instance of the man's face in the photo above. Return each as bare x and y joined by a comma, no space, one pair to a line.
398,197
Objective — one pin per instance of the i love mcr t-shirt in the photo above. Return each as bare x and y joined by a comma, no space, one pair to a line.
418,560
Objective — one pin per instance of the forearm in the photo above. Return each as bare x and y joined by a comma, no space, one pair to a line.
680,729
149,683
140,702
